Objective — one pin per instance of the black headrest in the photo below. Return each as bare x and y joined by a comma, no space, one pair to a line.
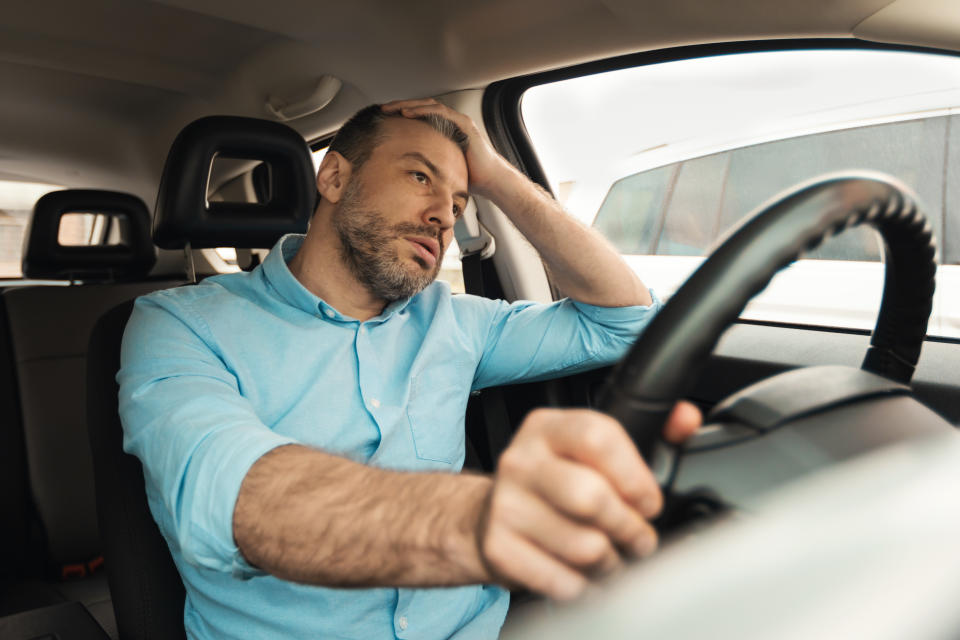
44,256
183,214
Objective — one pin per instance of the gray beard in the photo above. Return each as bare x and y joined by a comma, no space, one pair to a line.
367,248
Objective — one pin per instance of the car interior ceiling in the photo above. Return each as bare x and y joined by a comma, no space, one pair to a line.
53,573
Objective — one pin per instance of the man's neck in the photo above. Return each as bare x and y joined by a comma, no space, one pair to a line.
320,268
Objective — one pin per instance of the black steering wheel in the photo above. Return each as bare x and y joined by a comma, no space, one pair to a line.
664,363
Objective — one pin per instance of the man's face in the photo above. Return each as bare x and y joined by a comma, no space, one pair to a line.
395,218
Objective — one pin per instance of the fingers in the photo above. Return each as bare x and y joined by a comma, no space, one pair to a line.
486,169
522,562
587,497
600,443
581,547
398,105
683,422
424,106
571,494
419,107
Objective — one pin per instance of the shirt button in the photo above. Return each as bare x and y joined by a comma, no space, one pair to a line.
402,623
363,329
328,313
375,403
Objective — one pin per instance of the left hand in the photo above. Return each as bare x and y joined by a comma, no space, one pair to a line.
484,164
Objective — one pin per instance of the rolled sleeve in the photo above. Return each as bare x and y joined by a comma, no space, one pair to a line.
528,341
195,434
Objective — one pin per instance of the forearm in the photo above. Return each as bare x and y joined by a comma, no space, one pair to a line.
311,517
582,263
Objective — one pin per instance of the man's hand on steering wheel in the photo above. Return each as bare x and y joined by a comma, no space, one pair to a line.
571,496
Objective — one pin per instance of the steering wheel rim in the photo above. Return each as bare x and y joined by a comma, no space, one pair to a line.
664,362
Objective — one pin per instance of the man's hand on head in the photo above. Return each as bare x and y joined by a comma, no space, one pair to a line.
484,164
582,264
571,498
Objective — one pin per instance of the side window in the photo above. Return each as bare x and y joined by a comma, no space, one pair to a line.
677,153
690,223
951,231
695,201
631,212
912,151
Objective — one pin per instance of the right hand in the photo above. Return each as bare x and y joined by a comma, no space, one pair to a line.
485,167
571,496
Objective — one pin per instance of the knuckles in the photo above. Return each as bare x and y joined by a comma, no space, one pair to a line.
589,498
496,550
590,550
601,435
537,420
506,507
515,461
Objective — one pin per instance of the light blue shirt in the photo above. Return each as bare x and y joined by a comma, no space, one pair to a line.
215,375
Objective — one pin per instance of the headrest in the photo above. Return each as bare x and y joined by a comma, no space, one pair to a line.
129,253
184,215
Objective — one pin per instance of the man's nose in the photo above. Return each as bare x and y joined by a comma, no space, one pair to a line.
440,211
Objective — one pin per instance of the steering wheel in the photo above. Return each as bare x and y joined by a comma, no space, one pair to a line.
664,363
812,532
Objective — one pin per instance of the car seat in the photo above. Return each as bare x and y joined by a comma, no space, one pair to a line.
147,591
49,329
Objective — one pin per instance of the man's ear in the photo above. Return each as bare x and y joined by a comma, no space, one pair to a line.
333,176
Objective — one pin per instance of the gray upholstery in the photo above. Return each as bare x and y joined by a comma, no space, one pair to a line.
50,328
94,593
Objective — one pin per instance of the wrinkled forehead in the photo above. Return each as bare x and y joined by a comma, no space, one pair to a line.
400,137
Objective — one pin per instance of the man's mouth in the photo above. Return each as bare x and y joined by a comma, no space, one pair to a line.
427,249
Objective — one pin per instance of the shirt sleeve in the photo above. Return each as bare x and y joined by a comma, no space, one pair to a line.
183,416
528,341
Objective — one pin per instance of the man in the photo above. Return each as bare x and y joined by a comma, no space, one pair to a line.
300,426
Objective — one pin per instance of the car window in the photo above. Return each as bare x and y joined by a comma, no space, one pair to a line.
16,205
665,159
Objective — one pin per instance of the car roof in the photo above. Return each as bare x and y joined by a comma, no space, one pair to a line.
94,91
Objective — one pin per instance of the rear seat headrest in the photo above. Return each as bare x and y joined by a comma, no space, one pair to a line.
183,214
132,257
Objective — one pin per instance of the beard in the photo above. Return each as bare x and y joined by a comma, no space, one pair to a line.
368,247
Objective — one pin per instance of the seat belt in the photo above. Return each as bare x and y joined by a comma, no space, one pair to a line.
496,420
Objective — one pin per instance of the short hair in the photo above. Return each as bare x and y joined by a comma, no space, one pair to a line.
360,135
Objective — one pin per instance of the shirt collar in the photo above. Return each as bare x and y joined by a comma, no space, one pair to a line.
278,274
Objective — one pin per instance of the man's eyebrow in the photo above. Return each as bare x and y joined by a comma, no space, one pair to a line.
416,155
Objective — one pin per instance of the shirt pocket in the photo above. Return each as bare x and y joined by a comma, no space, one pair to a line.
435,412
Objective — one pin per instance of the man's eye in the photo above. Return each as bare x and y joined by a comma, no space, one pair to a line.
420,177
457,211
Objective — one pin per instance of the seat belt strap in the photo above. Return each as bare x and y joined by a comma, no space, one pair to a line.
496,420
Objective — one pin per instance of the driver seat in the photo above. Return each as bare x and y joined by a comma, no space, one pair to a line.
148,594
